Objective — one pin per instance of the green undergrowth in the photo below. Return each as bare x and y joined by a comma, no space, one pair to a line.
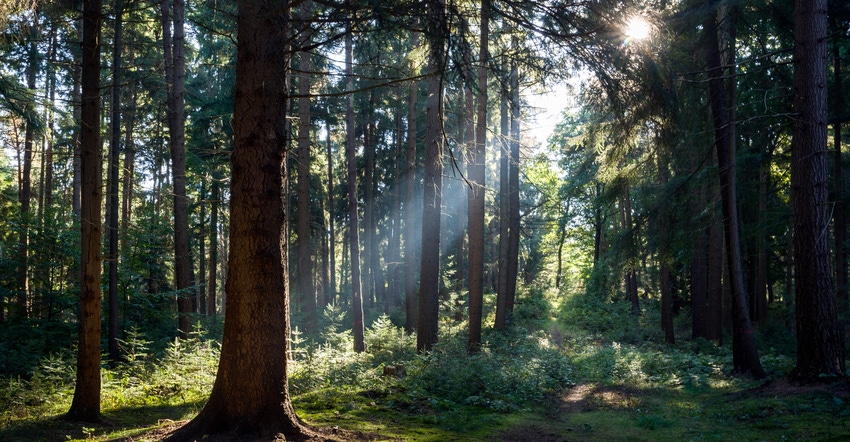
594,372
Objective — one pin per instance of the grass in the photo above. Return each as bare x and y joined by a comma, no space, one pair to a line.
577,377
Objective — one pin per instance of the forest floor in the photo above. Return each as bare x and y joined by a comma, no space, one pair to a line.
774,411
606,377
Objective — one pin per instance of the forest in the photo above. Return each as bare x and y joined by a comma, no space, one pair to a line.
424,220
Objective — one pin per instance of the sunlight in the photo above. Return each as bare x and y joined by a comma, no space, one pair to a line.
638,28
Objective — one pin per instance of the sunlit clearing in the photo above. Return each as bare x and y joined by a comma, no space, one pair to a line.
637,28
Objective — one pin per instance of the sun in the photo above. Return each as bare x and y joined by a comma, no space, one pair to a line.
637,28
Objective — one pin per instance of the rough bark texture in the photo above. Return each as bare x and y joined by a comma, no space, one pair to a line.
819,343
429,275
476,171
744,353
86,403
250,397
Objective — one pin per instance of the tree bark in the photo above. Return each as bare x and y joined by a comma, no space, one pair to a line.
429,275
112,203
250,397
411,239
212,281
504,209
819,345
477,179
744,353
330,289
306,289
513,195
175,64
353,224
85,405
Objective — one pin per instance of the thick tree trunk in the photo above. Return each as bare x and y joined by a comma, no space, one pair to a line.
819,345
744,352
477,175
429,274
86,403
250,396
353,225
112,185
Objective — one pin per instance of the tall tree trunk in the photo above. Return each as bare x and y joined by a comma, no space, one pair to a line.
353,225
250,396
714,315
819,345
86,403
513,196
22,301
699,264
631,267
369,280
744,353
306,291
411,239
839,224
429,275
175,64
330,289
504,208
212,286
760,289
665,256
112,185
477,182
202,253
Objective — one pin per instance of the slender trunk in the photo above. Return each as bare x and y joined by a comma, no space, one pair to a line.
369,204
212,286
330,289
202,253
714,316
22,301
411,240
175,65
477,179
353,226
306,290
504,210
513,195
112,185
429,275
760,289
664,253
744,354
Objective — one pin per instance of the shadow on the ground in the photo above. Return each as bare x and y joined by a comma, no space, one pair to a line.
121,424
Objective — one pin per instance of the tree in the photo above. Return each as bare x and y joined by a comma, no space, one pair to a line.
429,274
306,290
250,395
86,403
819,344
175,74
112,184
353,229
411,239
476,171
744,352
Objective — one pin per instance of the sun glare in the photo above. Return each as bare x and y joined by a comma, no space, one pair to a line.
637,28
